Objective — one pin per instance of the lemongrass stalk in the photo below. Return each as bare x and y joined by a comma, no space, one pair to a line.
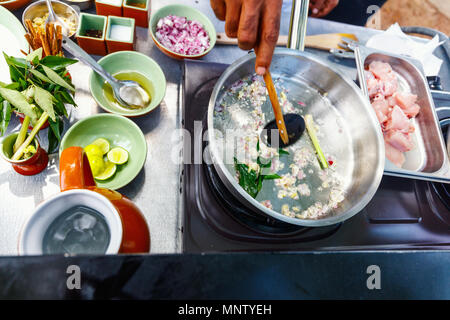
22,133
18,154
309,122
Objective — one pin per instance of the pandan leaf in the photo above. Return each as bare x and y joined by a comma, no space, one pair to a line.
45,100
57,79
19,101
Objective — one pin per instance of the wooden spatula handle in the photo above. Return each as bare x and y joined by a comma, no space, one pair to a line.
276,108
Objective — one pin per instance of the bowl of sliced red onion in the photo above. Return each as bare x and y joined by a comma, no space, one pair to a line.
182,32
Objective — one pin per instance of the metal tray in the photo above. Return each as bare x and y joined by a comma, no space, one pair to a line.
429,160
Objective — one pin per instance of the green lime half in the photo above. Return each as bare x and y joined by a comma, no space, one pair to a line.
118,155
108,172
103,144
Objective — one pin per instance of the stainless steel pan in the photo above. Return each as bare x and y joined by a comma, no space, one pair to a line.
349,130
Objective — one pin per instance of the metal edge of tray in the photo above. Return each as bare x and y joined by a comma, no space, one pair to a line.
443,174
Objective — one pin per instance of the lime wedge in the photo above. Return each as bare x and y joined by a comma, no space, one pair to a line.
103,144
118,155
108,172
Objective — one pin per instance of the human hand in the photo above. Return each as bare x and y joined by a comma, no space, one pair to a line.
320,8
256,24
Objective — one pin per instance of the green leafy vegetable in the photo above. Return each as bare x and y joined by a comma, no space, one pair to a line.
40,75
19,101
57,63
45,100
57,79
251,180
54,134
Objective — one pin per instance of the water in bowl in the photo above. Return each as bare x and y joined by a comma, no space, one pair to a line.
79,230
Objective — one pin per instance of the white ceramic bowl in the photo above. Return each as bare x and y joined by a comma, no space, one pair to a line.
32,235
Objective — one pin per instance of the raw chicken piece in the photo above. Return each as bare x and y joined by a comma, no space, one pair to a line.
388,85
383,81
391,101
412,111
405,100
379,69
399,140
399,121
372,84
381,108
395,156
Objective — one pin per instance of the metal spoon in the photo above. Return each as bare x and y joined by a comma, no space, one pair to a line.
52,17
127,92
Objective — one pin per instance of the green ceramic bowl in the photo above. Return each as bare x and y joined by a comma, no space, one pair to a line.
191,14
120,132
123,61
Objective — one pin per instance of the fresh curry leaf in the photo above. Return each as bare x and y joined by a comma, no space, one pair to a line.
45,101
16,62
19,101
57,78
251,180
281,151
54,134
40,76
56,62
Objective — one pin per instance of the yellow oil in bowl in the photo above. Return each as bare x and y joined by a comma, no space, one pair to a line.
128,75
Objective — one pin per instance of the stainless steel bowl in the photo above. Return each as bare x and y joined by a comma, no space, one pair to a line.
39,9
82,4
359,151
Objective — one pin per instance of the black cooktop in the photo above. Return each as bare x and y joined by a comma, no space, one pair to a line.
403,215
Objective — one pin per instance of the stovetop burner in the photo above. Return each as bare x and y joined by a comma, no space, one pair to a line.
442,190
404,214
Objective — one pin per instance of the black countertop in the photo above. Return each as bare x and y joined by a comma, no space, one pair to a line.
308,275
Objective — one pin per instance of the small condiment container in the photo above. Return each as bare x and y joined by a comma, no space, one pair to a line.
91,33
109,7
137,9
120,34
26,167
